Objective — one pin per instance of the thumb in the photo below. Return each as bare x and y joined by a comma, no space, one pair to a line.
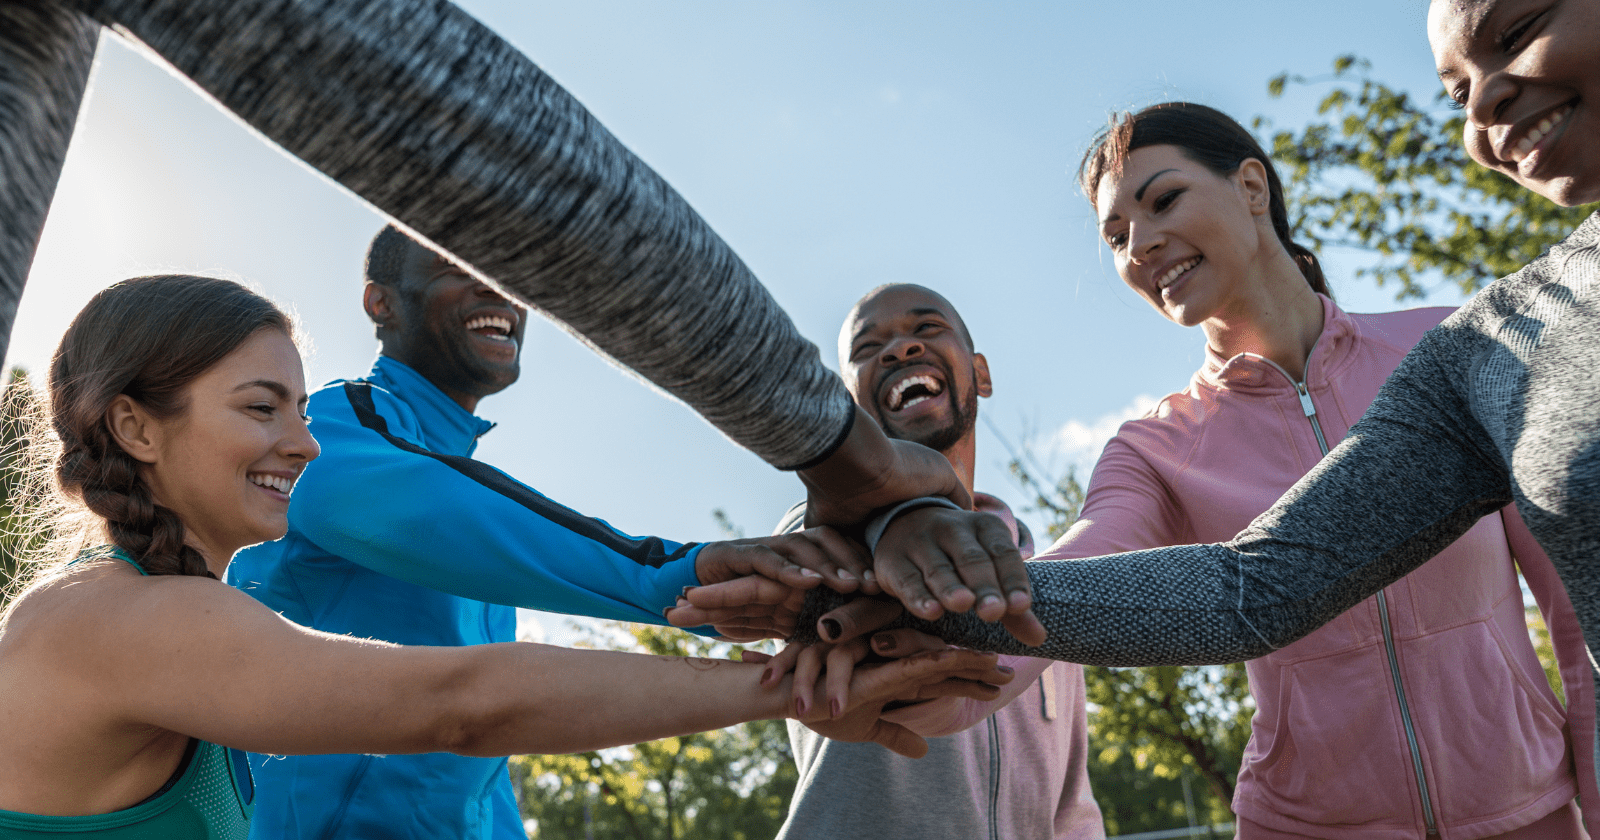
895,737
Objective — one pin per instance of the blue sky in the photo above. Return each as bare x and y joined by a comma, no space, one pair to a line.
835,145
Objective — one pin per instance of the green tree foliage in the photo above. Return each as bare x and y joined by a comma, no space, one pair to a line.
1149,727
20,419
732,784
1388,174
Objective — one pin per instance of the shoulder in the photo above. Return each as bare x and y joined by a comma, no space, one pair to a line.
363,404
1402,328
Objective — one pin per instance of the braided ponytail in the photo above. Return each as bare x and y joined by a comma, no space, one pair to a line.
146,338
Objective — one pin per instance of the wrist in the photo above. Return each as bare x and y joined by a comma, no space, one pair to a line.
880,523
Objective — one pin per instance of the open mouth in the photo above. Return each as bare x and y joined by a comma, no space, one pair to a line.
1175,272
913,390
279,483
495,327
1520,150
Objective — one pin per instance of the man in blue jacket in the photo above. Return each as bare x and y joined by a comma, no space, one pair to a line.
398,534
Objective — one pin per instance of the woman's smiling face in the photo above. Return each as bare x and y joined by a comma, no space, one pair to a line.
1182,236
1527,73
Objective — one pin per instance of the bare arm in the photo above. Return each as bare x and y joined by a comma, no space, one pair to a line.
197,657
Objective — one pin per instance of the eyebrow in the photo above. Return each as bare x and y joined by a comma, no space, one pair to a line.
275,387
920,310
1138,194
1485,11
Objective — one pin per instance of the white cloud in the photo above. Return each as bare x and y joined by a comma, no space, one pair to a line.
1077,443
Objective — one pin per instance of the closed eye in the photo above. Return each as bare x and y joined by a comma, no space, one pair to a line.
1164,200
1512,39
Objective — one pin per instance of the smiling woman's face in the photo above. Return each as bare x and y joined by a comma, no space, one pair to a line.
1528,74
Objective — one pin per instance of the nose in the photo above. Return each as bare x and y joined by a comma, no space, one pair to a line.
298,444
1489,97
483,289
1143,242
901,348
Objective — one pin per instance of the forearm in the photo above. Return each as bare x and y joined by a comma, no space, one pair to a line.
539,699
439,123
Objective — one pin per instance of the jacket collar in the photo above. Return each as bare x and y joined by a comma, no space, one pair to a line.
446,426
1250,372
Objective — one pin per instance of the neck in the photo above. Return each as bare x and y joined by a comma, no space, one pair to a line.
1279,318
464,399
962,456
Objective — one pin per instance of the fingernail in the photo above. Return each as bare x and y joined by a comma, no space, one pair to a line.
831,629
767,675
844,574
685,592
683,602
809,573
800,706
1004,669
836,707
868,575
883,641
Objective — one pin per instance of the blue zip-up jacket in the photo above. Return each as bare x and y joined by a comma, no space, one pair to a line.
395,533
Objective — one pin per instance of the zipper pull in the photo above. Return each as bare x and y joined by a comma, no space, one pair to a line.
1305,399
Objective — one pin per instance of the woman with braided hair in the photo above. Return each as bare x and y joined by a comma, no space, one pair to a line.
131,677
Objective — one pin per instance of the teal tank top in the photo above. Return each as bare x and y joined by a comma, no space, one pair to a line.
210,797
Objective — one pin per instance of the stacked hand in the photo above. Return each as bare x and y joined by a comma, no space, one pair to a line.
856,714
930,559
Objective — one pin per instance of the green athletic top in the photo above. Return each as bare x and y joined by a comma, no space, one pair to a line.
210,797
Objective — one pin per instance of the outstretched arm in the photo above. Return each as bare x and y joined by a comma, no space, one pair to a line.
1414,474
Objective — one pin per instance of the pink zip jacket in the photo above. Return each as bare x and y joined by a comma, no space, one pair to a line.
1424,707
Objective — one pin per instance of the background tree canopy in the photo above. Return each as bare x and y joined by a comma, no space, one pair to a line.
1389,175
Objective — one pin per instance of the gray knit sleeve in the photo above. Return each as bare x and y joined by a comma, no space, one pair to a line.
1413,475
424,112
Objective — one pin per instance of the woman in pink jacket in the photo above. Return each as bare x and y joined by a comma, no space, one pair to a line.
1423,710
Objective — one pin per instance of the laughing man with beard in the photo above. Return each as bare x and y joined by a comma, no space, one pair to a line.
1014,767
398,534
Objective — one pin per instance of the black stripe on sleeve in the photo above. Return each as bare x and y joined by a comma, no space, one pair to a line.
646,551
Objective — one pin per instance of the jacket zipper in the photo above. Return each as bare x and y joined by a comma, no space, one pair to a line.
994,778
1310,410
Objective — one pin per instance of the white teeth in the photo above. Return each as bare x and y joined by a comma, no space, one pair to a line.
496,322
1176,271
273,482
899,390
1523,147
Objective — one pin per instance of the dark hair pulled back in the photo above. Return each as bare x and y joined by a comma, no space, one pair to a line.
148,338
1207,137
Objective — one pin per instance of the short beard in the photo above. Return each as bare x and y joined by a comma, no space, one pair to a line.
964,409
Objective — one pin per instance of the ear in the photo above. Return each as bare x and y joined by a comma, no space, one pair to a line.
1252,181
134,429
980,373
377,300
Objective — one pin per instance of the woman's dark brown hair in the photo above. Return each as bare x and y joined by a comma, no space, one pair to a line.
148,338
1207,137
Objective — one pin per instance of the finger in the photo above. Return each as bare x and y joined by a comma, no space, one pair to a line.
1026,628
981,560
902,578
844,553
857,618
959,688
740,592
754,656
898,644
937,563
744,635
900,739
781,664
806,669
901,678
841,663
805,555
